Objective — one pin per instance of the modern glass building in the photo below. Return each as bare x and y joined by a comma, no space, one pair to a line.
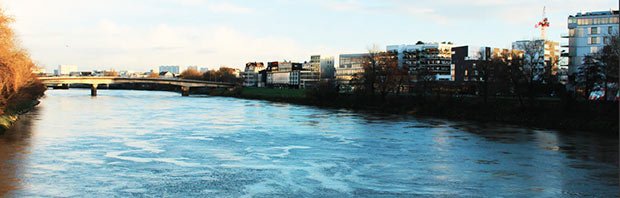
171,69
588,33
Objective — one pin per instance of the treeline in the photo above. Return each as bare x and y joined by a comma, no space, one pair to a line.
19,87
223,74
513,86
523,74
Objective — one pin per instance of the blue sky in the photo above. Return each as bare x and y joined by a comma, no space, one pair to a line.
142,34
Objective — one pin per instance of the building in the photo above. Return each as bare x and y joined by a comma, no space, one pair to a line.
350,65
250,74
204,69
539,47
587,33
324,65
467,60
39,70
282,74
65,70
171,69
432,57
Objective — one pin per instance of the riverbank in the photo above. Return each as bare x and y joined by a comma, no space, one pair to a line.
573,117
9,118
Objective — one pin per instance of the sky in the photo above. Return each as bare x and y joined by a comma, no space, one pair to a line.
140,35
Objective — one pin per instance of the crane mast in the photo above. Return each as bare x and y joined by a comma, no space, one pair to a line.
543,24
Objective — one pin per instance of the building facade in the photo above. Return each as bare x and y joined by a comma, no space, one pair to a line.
171,69
250,74
433,58
284,74
65,70
587,33
467,63
546,52
349,66
324,65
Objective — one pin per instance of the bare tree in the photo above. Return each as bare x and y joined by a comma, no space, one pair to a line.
381,73
530,67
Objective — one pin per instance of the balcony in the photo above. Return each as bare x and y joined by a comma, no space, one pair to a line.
566,35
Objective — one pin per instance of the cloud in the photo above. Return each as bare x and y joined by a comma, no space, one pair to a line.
229,8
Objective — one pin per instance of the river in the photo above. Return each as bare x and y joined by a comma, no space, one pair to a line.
136,143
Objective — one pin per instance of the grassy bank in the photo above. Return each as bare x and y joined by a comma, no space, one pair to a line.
574,116
11,116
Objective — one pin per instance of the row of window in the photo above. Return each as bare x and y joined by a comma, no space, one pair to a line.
595,30
595,21
597,40
580,32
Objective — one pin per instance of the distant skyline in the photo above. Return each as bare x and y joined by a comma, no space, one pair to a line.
143,34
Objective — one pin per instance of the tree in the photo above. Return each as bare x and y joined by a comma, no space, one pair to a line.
153,75
590,74
191,74
17,82
223,74
609,56
532,65
110,73
382,74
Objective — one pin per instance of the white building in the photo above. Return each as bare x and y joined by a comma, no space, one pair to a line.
588,33
250,74
324,65
65,70
432,56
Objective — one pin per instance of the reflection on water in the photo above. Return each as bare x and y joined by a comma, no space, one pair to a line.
129,143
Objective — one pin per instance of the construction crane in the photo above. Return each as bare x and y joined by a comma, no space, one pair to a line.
543,25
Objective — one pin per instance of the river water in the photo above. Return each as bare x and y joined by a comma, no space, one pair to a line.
136,143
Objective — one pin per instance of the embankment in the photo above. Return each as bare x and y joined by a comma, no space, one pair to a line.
544,113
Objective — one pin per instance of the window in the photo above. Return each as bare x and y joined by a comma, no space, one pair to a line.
593,50
610,29
593,40
594,30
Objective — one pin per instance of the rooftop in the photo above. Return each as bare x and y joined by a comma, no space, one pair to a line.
597,13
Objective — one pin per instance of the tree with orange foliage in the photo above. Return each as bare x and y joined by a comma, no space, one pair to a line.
191,74
17,82
153,75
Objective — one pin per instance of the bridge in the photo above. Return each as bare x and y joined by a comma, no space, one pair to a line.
96,81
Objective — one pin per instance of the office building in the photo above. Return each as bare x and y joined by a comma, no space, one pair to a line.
324,65
171,69
587,33
250,74
467,62
65,70
432,57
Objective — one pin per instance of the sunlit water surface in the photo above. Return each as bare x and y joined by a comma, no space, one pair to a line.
133,143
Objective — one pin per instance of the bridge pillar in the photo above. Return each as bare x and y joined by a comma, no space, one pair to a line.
93,90
184,91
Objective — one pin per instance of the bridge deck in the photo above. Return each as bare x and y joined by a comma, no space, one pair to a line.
117,80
